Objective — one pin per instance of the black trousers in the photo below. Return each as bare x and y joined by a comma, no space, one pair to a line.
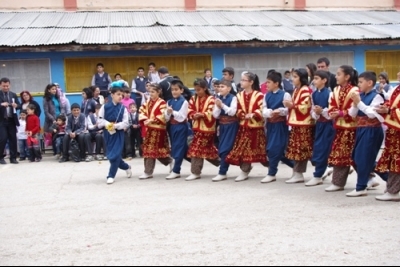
136,141
82,141
127,151
8,132
98,138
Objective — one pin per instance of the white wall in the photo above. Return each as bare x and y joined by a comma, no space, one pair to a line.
32,4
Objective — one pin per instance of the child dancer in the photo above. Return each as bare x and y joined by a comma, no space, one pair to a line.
345,125
22,137
389,163
324,132
302,134
113,116
250,142
277,129
32,130
369,135
200,111
155,146
225,110
176,114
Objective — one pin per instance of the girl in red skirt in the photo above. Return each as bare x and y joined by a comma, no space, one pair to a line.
302,134
155,145
250,145
201,107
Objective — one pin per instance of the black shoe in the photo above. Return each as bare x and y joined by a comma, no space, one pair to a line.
3,162
13,161
134,156
22,159
62,160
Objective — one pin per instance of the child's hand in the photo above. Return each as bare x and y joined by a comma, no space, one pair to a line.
288,104
55,131
356,98
198,116
318,110
382,110
169,110
219,103
249,116
334,115
135,126
148,122
276,112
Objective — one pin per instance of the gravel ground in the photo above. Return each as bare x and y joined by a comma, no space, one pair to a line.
65,214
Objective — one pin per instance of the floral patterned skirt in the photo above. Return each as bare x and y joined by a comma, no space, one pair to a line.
390,159
342,148
250,147
156,145
203,146
301,142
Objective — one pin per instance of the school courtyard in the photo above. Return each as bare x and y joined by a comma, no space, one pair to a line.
65,214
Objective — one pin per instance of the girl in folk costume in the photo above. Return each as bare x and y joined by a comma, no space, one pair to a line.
369,135
225,110
389,164
277,129
345,125
250,142
324,132
302,135
155,145
200,112
176,114
113,116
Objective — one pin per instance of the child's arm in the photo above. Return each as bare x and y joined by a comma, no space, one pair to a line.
102,123
182,114
125,122
192,108
370,110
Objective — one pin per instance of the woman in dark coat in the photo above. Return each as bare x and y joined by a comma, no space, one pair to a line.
26,100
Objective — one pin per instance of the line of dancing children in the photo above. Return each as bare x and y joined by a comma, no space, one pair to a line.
342,129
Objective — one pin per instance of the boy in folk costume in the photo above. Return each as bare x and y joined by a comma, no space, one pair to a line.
345,125
155,145
302,135
369,135
389,164
277,129
176,114
225,110
250,142
201,113
113,116
324,132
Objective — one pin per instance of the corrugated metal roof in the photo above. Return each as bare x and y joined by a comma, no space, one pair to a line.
49,28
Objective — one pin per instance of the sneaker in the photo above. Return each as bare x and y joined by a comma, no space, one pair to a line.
62,160
22,159
38,160
89,159
98,157
110,180
105,158
129,172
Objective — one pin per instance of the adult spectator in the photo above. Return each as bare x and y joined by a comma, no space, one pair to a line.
287,83
96,95
323,64
384,83
9,104
139,86
102,80
26,100
52,106
311,69
153,76
165,83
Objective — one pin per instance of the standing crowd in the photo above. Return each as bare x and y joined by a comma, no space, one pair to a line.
336,121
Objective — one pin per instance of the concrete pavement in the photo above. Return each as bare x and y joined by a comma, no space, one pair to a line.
65,214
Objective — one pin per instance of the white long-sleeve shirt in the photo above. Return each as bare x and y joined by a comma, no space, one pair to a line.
229,110
325,111
181,115
21,134
370,110
268,113
103,123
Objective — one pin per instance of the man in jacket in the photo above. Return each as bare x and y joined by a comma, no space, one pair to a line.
9,104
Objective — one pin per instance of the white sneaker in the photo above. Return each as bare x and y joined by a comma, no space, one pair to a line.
328,172
334,188
243,176
173,176
297,178
356,193
193,177
145,176
220,178
129,172
268,179
372,183
315,182
110,180
389,197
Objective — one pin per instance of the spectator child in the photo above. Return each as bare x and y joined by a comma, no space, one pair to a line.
96,134
88,104
136,135
22,137
127,100
32,131
228,75
58,130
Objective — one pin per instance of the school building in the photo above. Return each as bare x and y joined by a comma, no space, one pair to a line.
41,47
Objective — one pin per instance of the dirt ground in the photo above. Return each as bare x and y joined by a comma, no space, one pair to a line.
65,214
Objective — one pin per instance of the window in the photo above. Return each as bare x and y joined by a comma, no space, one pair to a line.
79,71
30,75
261,63
384,61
